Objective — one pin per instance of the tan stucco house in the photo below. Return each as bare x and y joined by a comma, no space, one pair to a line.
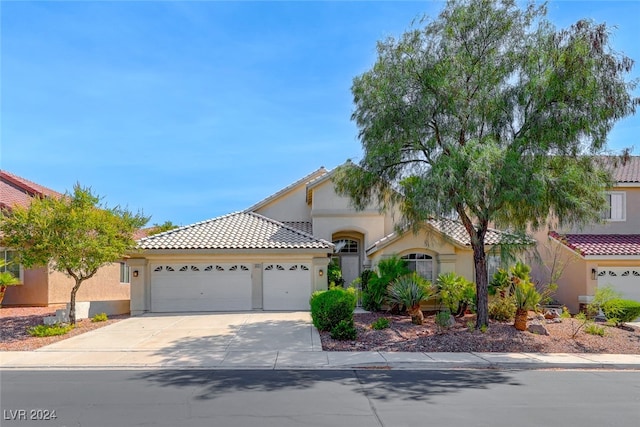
606,254
108,291
274,254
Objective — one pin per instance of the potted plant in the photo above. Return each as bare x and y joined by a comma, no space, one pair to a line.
6,279
526,297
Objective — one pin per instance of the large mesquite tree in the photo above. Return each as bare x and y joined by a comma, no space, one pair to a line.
492,114
72,234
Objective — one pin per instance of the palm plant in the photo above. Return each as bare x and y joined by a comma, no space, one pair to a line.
410,290
526,297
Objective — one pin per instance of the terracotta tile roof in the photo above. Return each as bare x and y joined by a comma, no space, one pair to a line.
600,244
628,172
455,231
15,190
313,175
240,230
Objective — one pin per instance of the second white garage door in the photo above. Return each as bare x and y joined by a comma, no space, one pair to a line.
286,286
625,280
200,287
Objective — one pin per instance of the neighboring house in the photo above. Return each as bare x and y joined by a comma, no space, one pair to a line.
107,291
273,255
606,254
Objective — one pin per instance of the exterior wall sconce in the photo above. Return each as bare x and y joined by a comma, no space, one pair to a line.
593,273
321,273
135,273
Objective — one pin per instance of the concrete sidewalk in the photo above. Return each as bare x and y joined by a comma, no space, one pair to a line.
279,359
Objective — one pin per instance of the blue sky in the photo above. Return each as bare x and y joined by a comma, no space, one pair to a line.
190,110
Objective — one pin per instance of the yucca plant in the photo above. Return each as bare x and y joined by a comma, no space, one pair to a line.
410,291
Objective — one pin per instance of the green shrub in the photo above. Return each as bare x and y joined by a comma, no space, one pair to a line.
502,309
455,292
381,323
102,317
621,311
593,329
442,319
328,308
375,291
565,313
49,330
344,330
334,274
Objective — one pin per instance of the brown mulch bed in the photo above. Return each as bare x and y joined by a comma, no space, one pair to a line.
402,335
15,321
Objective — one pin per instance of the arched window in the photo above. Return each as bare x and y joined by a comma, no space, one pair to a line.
421,264
346,246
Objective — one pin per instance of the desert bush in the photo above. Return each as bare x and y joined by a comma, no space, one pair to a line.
442,319
328,308
344,330
49,330
620,311
381,323
101,317
502,309
334,274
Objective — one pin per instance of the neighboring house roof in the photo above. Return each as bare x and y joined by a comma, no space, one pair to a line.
457,234
627,171
18,191
313,175
240,230
600,244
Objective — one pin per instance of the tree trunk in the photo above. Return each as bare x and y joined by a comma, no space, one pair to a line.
482,285
72,305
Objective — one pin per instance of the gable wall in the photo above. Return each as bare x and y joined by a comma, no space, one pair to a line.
291,206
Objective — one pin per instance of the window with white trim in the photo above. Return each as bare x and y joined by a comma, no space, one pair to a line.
10,264
616,206
125,274
421,264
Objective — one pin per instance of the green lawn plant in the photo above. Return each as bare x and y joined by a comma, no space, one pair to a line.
100,317
49,330
380,323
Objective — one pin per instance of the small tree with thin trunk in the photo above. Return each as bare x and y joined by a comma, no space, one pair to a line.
490,114
72,234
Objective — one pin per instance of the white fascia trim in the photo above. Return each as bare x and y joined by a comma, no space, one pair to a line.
612,257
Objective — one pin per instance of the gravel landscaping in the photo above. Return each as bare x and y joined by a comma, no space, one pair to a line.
16,320
402,335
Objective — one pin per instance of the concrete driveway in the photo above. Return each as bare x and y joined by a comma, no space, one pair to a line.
197,339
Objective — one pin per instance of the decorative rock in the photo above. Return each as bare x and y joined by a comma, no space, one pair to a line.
551,314
537,329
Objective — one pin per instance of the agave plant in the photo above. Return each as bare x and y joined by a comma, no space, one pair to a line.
410,291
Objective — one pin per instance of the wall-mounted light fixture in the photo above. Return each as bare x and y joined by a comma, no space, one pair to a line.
321,273
135,273
593,273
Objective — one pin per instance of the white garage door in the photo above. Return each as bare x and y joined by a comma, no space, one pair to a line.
286,286
200,287
625,280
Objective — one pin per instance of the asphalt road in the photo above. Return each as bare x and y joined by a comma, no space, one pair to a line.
320,398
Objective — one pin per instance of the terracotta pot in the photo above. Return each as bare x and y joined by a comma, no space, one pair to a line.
521,320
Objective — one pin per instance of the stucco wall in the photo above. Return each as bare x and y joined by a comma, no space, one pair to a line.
291,206
32,292
104,286
630,226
